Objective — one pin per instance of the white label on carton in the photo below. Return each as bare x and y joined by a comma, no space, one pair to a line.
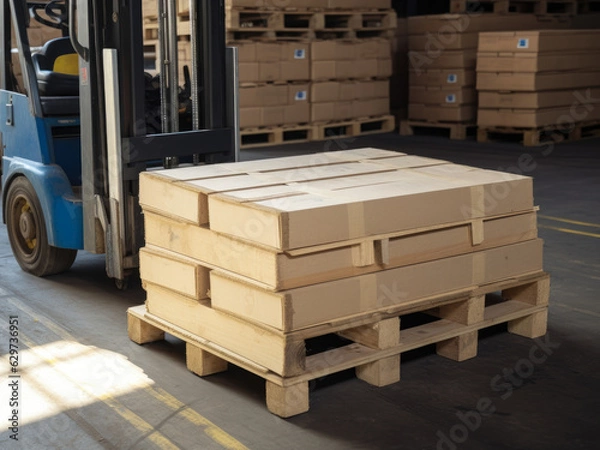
523,43
301,95
300,53
452,78
451,98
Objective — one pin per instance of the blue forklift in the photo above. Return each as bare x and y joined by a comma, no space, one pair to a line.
80,119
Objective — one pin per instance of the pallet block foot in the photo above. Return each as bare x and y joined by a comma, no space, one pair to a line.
380,373
536,294
533,326
466,312
459,348
381,335
142,332
288,401
203,363
458,133
406,129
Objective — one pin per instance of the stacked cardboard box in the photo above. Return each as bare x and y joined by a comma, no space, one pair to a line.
534,79
274,86
350,79
344,72
443,53
256,256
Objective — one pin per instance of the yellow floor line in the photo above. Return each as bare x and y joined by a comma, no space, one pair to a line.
213,431
136,421
568,230
572,222
217,434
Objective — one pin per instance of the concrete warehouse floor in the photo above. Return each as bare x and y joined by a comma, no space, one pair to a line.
85,385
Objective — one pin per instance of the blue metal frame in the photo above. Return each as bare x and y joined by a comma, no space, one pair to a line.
30,151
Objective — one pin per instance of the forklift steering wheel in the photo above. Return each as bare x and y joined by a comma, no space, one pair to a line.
56,10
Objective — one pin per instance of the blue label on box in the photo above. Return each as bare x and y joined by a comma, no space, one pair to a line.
452,78
301,95
299,53
451,98
523,43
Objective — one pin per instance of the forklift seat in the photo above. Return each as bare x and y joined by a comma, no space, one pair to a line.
56,69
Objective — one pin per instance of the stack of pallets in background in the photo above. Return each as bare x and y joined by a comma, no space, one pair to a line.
539,85
443,55
309,70
297,268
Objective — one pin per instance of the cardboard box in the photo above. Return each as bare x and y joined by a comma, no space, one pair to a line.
446,25
356,297
536,100
456,78
273,61
449,59
540,41
286,220
443,113
437,95
267,348
273,95
269,116
534,118
533,62
204,250
174,271
342,70
544,81
183,193
435,43
336,91
342,110
339,59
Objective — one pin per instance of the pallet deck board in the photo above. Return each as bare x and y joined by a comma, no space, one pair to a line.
456,131
534,137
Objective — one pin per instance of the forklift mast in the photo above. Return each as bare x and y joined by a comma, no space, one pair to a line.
108,39
116,142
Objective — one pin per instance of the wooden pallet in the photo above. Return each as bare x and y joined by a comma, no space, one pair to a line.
456,131
260,137
534,137
355,127
282,20
371,347
540,7
234,35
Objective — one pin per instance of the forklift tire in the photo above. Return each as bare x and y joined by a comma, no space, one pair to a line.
27,233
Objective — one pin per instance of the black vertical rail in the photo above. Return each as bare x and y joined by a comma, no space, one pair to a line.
5,47
124,25
211,58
